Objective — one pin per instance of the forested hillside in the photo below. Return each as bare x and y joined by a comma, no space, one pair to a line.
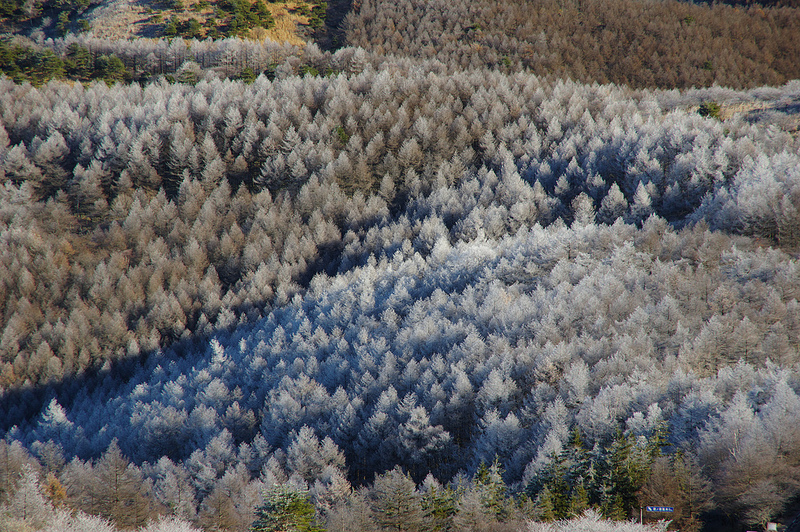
642,44
421,268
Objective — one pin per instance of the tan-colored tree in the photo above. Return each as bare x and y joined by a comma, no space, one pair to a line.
120,491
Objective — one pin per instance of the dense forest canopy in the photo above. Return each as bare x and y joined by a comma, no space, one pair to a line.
426,275
639,43
116,181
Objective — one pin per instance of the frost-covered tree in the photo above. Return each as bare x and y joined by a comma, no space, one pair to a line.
29,503
307,457
593,521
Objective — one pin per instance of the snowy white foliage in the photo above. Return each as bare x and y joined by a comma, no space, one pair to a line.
500,345
68,521
591,521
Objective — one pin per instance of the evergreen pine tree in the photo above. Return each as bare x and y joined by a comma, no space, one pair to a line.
545,510
285,510
490,480
556,484
439,507
579,502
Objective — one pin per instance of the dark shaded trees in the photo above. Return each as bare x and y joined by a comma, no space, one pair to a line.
678,480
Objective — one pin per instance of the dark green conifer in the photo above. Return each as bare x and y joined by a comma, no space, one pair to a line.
439,508
285,510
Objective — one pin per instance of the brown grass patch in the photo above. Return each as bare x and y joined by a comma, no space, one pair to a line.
126,19
287,24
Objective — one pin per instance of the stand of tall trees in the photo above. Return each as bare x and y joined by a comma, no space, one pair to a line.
97,266
672,44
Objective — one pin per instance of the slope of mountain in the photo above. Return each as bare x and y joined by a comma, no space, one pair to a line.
389,267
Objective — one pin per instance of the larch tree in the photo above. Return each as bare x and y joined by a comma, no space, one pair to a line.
121,491
28,502
307,457
395,501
